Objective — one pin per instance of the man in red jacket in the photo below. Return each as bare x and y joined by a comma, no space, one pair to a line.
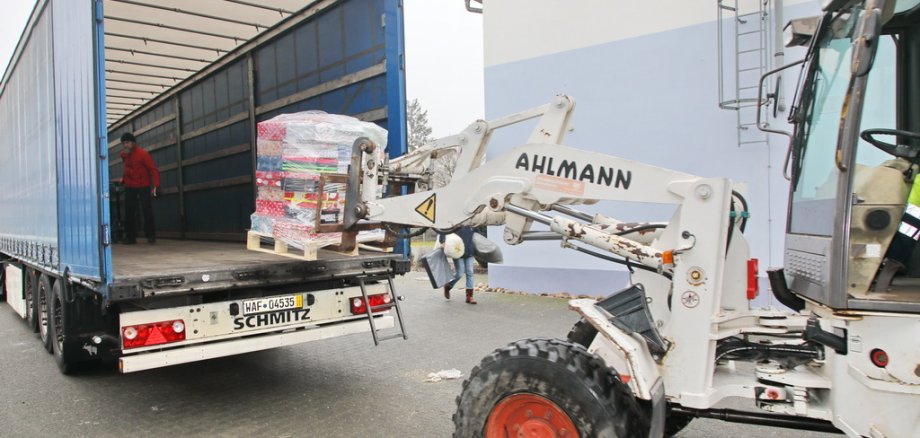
141,179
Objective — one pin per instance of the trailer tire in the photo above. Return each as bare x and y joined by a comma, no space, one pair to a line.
583,334
564,384
30,291
44,311
60,347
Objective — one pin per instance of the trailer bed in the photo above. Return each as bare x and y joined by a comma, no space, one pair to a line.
176,267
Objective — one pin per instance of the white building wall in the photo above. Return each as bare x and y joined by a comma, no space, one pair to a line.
644,76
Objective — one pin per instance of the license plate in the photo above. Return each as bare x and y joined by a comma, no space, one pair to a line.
273,304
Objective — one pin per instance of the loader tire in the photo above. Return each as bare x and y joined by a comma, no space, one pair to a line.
539,387
583,333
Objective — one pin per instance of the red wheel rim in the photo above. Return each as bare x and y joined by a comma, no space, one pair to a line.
531,416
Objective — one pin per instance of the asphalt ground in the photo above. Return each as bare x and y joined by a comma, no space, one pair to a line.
339,387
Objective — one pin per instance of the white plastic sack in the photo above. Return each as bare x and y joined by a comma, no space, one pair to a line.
453,246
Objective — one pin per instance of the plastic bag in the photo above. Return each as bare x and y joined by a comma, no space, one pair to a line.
485,250
451,374
453,246
438,268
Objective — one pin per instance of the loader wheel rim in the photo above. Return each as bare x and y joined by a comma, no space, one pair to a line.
529,415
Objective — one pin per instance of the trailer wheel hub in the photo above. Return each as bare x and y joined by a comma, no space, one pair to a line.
529,415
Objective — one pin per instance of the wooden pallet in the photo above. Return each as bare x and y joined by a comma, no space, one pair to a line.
254,243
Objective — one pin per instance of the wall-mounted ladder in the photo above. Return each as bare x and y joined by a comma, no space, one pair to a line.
748,59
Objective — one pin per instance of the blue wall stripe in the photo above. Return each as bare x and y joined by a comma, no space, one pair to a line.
102,144
76,144
397,143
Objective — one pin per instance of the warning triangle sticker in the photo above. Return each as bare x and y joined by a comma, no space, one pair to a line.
428,208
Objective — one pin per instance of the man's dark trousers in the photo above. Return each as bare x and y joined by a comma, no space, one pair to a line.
133,197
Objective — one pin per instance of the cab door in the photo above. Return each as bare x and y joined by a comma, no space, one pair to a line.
832,253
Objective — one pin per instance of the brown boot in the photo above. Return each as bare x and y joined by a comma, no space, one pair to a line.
469,297
447,291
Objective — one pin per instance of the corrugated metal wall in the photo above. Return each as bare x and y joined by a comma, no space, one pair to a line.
201,139
75,100
28,202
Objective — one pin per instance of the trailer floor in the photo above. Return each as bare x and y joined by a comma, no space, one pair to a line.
169,256
180,267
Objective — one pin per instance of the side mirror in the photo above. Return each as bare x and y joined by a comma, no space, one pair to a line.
761,101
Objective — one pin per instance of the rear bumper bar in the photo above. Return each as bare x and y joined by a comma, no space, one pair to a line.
194,353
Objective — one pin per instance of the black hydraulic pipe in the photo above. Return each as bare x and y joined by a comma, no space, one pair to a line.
640,228
814,332
762,419
781,291
744,207
626,262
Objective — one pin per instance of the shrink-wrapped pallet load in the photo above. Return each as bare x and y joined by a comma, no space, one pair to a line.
293,151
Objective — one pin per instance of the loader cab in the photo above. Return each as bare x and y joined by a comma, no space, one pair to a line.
855,152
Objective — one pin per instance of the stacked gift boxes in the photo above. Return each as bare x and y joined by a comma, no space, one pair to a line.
293,150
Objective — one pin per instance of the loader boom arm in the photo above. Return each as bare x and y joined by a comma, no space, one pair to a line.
516,187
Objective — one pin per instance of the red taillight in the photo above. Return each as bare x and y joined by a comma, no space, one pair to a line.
359,308
145,335
879,357
753,287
